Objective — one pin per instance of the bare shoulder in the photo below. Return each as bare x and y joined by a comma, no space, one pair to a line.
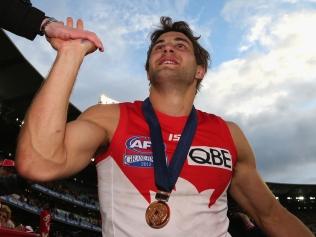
244,150
105,116
101,111
234,128
237,134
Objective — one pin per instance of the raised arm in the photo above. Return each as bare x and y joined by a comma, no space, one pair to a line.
49,148
252,194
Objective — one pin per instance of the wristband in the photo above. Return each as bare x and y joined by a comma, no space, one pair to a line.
46,23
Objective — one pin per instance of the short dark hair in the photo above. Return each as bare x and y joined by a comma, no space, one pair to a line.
202,57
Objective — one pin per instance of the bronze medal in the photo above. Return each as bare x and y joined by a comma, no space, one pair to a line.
157,214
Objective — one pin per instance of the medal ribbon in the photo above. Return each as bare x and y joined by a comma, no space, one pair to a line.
166,176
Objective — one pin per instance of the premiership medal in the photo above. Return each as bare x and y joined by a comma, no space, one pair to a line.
158,213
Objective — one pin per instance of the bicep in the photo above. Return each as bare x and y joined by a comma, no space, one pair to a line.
80,142
82,138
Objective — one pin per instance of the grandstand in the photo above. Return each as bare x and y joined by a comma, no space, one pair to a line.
73,201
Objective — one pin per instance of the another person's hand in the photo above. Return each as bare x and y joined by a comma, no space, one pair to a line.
85,45
65,32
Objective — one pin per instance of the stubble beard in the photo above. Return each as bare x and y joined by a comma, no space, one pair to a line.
171,78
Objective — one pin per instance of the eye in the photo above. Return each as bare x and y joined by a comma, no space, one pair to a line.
181,46
158,47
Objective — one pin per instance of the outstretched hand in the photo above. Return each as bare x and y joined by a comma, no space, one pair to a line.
64,36
59,30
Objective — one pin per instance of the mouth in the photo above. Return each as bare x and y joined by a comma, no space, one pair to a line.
167,61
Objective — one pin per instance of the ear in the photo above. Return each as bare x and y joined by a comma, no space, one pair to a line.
200,72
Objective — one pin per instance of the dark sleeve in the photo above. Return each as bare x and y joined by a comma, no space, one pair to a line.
20,18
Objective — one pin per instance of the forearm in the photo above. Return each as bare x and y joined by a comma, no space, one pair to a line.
282,223
42,135
268,213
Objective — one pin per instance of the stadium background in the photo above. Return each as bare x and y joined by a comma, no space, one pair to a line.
73,201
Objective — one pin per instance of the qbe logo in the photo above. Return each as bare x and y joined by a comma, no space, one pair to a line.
210,156
138,152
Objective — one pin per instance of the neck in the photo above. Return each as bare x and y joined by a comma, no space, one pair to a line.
172,102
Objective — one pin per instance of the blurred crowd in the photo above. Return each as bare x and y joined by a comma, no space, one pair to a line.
17,191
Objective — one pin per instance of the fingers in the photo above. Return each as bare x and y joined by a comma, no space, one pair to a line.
79,24
90,36
78,32
69,22
97,42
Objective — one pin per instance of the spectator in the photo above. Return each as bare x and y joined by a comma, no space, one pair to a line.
5,217
45,220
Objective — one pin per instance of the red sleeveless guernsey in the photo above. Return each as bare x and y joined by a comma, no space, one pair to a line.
198,203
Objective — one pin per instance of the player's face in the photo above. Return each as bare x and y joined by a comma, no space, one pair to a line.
172,57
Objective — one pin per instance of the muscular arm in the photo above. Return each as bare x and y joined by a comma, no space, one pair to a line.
252,194
48,147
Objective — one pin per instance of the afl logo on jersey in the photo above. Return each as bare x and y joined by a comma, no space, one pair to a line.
139,144
138,152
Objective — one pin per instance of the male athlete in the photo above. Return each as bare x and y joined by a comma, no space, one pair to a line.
168,167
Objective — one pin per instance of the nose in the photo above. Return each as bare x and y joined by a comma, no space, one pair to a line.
168,48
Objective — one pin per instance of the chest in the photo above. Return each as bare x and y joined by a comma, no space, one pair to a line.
208,164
